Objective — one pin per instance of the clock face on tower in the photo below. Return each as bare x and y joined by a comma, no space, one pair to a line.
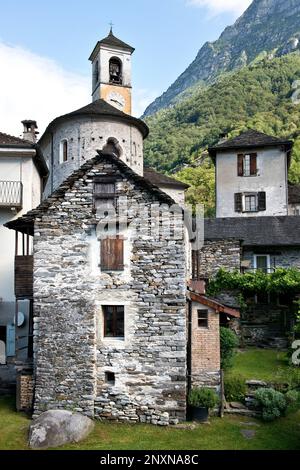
117,100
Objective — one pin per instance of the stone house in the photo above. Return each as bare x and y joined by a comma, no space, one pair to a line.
120,331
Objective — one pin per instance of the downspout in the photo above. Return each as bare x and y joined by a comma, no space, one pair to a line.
189,349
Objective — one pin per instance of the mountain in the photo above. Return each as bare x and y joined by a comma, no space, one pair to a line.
268,28
262,96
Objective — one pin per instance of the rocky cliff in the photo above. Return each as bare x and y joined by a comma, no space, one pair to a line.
267,28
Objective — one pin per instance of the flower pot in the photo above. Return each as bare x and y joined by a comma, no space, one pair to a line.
199,414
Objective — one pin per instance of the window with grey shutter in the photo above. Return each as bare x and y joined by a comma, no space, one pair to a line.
238,202
262,201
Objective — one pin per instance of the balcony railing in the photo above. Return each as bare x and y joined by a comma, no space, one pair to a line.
11,194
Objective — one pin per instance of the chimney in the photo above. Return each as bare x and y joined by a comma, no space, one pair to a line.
30,130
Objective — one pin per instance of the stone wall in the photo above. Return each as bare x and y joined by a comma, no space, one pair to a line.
217,254
24,392
71,355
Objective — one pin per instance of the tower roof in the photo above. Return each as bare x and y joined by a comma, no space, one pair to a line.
100,108
112,41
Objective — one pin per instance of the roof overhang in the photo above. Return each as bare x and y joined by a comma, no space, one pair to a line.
215,305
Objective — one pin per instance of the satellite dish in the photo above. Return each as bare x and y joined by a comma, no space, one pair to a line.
21,319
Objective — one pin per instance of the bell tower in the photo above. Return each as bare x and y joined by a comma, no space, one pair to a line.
111,66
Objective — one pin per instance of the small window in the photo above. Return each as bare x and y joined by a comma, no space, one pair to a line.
203,318
112,254
63,151
96,73
247,164
104,194
110,378
251,203
262,263
115,71
113,321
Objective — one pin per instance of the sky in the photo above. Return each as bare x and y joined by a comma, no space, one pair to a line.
45,46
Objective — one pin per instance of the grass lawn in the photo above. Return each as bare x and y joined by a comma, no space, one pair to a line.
263,364
220,434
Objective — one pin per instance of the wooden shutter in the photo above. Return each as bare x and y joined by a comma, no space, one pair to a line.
261,201
112,254
240,165
238,202
253,164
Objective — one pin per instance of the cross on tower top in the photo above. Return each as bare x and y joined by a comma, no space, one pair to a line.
111,27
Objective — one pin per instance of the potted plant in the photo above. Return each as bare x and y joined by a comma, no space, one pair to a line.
201,400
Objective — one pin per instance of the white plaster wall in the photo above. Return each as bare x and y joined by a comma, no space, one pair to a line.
272,178
14,167
177,194
85,136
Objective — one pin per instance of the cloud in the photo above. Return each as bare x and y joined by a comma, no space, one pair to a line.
141,99
35,87
215,7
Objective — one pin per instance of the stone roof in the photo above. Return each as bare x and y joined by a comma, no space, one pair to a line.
162,180
7,140
294,193
100,108
248,140
26,222
113,41
256,231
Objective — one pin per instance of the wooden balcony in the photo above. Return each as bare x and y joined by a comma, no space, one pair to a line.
11,194
24,276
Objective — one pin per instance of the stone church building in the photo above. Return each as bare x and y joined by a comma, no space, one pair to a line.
120,328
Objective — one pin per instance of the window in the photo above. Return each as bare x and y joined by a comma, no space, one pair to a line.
250,203
104,194
247,164
253,202
112,254
96,73
262,263
115,71
63,151
203,318
110,378
113,321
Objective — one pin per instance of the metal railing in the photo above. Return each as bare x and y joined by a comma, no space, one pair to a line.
11,194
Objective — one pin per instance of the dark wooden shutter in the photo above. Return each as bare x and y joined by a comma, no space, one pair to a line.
240,165
112,254
253,164
261,201
238,202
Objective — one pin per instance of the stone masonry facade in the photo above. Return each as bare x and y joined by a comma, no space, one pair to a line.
71,356
217,254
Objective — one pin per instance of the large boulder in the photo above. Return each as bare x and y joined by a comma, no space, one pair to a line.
58,427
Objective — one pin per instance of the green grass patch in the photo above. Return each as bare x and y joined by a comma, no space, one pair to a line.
261,364
220,434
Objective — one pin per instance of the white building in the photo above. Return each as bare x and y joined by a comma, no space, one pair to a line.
252,175
22,175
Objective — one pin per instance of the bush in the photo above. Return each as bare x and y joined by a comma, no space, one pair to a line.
272,403
229,342
235,388
203,398
293,399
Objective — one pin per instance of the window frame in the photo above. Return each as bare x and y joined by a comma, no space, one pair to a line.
245,164
104,196
64,151
114,336
202,312
250,195
262,255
